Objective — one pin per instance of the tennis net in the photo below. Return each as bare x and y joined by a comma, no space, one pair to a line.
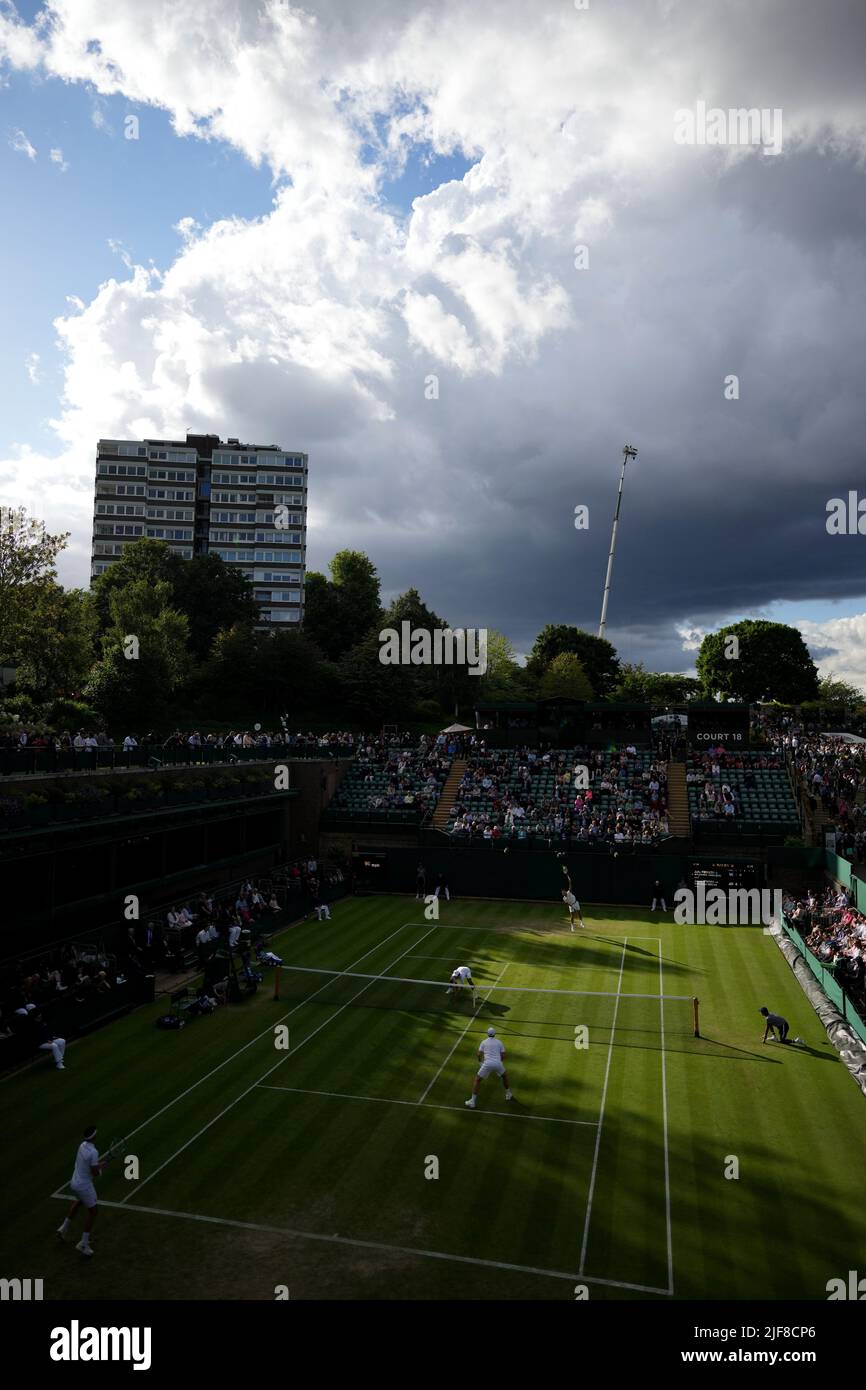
559,1009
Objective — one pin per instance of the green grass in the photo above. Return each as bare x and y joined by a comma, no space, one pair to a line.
607,1169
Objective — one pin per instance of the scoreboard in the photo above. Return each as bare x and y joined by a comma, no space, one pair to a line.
724,873
370,872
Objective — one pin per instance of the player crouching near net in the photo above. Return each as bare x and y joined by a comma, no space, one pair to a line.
776,1023
461,981
491,1055
572,904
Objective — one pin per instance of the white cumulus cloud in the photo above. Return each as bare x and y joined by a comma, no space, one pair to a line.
21,144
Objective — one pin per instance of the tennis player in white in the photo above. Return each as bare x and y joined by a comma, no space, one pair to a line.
88,1167
573,905
461,979
491,1055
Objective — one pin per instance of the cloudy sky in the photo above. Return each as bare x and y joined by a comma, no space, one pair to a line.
461,253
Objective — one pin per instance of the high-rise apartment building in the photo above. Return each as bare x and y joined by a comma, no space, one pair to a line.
246,503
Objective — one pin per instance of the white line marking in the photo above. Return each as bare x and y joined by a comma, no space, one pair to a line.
601,1114
378,1245
665,1120
268,1032
463,1034
278,1063
416,956
414,1105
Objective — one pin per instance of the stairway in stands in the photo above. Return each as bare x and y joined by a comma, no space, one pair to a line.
678,801
446,801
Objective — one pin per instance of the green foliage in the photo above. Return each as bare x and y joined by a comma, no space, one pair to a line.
209,593
272,672
639,686
27,556
772,662
565,678
371,690
835,692
213,596
18,711
341,611
598,657
71,714
140,689
59,650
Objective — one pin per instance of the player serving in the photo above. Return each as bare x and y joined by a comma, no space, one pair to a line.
571,902
461,981
491,1055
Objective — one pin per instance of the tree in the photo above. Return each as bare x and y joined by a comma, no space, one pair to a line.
340,612
757,660
290,675
60,631
213,596
429,682
27,556
597,655
372,690
637,686
835,692
504,680
144,659
149,560
565,678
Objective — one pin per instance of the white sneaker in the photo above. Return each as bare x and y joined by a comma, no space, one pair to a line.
84,1249
470,1102
509,1095
61,1234
61,1066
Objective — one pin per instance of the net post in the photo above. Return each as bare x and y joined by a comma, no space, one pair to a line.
277,973
696,1004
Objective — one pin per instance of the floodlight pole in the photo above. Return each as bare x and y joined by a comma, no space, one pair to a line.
627,453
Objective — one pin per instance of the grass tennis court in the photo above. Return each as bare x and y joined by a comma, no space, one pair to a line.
307,1168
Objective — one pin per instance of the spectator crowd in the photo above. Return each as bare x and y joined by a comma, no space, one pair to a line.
514,795
835,933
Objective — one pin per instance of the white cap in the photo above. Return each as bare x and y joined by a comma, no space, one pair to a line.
491,1032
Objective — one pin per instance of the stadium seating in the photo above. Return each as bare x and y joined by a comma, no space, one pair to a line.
393,786
762,795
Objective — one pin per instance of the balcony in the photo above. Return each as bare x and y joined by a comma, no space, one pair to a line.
46,804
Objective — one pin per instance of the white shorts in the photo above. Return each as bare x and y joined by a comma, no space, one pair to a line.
490,1069
84,1193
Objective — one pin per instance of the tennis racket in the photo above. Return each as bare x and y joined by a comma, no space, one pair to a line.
116,1148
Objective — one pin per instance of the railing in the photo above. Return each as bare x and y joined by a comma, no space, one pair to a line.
25,811
20,762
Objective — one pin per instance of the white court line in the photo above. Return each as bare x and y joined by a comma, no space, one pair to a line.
414,1105
378,1245
417,956
601,1115
267,1032
463,1034
278,1063
665,1122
